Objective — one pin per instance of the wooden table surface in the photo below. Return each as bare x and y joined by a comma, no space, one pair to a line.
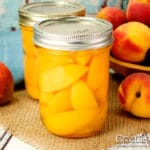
21,117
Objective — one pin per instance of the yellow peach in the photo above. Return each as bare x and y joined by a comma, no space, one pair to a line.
82,59
76,123
44,98
131,42
101,94
82,97
134,96
109,13
52,59
28,45
139,10
60,101
6,84
98,70
31,72
60,77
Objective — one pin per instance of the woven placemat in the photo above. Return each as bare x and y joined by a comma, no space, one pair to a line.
21,117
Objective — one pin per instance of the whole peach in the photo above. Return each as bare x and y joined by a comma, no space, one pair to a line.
113,14
131,42
139,10
6,84
134,96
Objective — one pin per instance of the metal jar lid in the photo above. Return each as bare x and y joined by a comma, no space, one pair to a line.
31,13
73,33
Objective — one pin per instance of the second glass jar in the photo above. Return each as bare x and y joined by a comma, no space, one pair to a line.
29,14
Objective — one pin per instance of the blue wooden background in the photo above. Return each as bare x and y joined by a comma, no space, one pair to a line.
9,9
11,52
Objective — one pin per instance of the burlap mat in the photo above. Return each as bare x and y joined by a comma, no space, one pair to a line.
22,118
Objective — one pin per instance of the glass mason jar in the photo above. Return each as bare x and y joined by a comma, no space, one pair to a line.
73,63
29,14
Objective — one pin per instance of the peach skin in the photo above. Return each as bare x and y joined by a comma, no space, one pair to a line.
134,96
113,14
131,42
6,84
139,10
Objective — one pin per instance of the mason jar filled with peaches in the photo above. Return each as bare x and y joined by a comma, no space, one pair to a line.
30,14
73,63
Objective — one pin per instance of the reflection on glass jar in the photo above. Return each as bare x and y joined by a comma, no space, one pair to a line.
73,63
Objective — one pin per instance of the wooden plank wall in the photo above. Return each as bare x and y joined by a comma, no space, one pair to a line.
9,9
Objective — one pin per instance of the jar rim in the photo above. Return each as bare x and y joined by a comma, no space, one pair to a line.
31,13
73,33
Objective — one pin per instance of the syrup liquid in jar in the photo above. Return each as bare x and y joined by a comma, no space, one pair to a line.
29,14
73,62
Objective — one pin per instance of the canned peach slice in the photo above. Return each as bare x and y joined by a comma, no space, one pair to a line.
82,59
28,45
32,90
43,111
53,60
30,67
45,97
30,63
76,123
82,97
98,65
60,77
60,102
101,94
